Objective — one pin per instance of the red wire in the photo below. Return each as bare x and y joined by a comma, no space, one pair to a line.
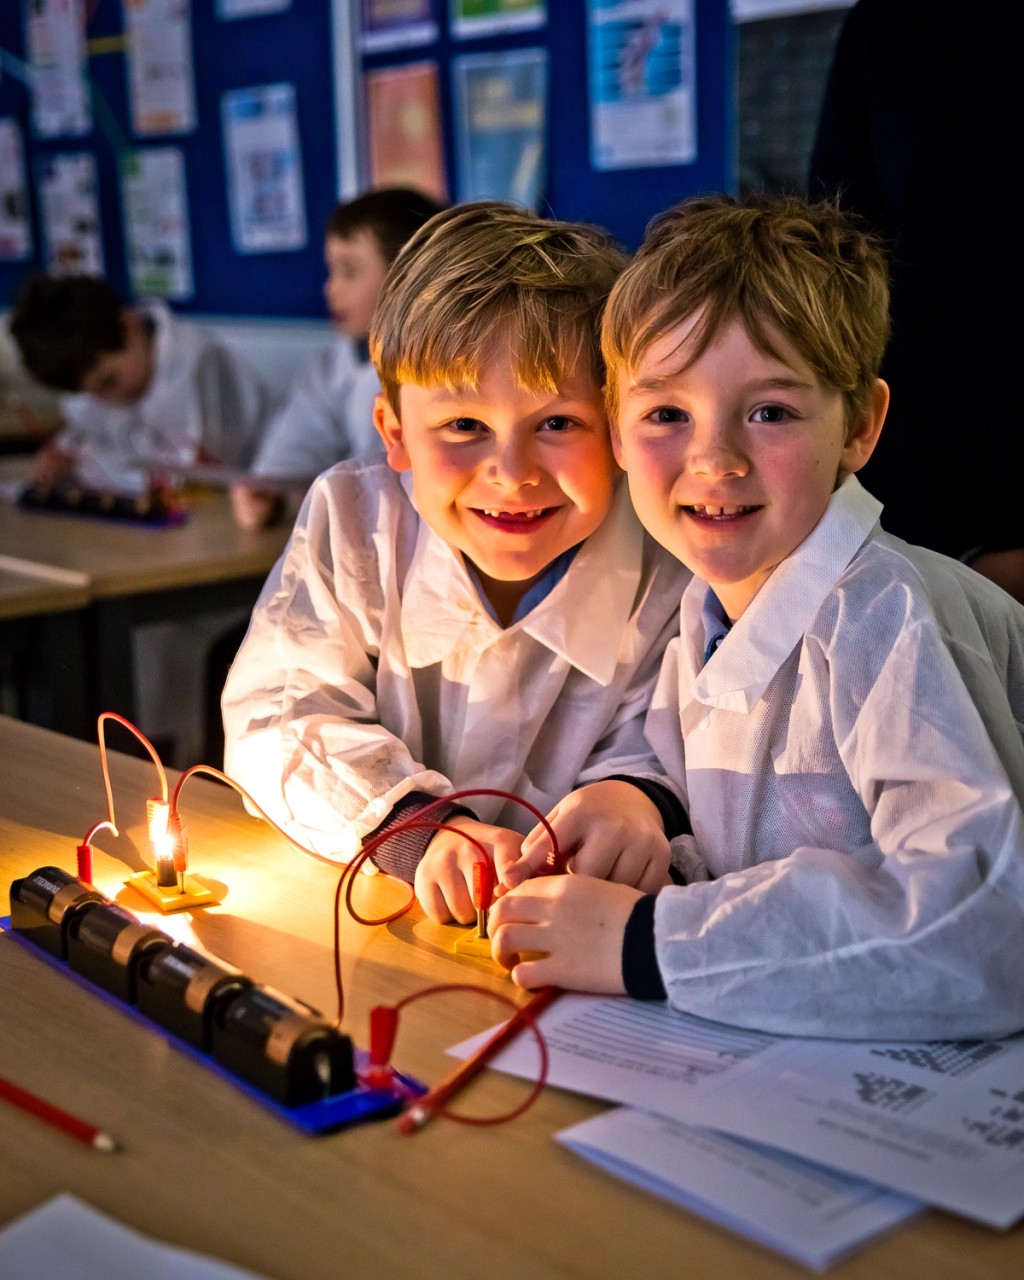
542,1074
346,881
105,768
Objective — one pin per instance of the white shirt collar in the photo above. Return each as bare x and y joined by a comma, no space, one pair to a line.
579,620
777,618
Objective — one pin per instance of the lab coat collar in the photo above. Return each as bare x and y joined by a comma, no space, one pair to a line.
779,615
578,620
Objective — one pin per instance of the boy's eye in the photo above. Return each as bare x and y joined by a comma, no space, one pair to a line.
465,426
666,415
772,414
559,423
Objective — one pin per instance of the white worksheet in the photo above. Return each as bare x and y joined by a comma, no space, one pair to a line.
791,1205
942,1122
69,1239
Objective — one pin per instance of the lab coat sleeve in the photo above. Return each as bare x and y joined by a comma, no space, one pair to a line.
918,935
302,731
328,417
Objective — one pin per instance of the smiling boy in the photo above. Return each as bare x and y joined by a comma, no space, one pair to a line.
483,609
842,711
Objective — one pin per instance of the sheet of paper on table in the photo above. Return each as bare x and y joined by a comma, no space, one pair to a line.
942,1122
791,1205
69,1239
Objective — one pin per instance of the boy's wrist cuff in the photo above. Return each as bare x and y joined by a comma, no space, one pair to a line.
674,817
640,972
400,855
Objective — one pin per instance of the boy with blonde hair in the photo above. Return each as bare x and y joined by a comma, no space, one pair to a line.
842,711
482,609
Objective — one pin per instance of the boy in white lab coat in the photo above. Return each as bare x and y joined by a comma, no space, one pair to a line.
482,609
143,388
842,711
328,415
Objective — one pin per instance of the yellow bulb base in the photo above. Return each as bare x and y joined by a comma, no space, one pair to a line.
168,898
471,944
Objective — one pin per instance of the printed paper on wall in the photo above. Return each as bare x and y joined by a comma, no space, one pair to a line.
643,83
405,146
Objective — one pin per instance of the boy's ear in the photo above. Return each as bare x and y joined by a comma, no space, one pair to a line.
862,435
386,421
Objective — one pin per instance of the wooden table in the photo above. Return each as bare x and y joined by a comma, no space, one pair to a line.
138,574
41,643
205,1167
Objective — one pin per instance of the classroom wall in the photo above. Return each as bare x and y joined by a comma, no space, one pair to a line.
299,45
758,89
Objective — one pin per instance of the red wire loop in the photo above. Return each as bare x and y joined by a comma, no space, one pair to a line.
542,1073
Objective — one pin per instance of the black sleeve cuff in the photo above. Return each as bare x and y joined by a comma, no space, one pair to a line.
640,971
674,817
400,855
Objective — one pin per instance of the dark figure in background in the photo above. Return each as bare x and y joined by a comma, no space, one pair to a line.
907,138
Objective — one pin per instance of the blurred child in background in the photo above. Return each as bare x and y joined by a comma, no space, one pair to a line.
329,412
143,390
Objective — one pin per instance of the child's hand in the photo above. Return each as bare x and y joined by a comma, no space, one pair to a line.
444,877
253,508
572,928
609,830
50,464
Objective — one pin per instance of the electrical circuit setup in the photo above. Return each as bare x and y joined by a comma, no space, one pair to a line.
154,506
276,1046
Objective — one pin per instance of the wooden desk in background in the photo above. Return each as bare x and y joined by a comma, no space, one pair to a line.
41,643
204,1167
137,574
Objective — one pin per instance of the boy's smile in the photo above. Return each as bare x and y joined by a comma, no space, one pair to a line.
510,478
732,458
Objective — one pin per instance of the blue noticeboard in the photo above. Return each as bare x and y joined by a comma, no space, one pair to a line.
295,45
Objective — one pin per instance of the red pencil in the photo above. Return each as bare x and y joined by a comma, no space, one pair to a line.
424,1108
63,1120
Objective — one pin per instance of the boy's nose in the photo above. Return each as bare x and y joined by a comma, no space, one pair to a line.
513,467
716,452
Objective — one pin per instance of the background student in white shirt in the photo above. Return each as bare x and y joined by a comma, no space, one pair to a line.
142,388
328,415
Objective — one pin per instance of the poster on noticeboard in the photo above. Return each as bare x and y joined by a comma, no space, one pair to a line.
396,24
69,209
264,164
501,125
404,143
470,18
15,222
155,204
56,57
642,67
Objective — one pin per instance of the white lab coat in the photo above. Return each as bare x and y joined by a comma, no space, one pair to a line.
328,416
371,668
204,399
853,764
